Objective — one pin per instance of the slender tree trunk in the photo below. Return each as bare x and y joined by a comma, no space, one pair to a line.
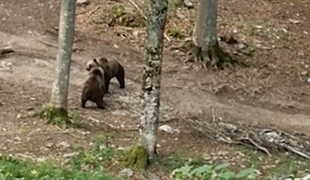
210,38
58,103
205,47
145,150
198,35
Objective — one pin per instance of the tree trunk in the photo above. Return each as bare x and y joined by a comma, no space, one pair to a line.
145,149
205,47
56,111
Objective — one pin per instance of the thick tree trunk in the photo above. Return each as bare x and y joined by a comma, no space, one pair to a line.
153,46
205,47
57,108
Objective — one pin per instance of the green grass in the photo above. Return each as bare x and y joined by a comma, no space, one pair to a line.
90,164
178,159
13,169
277,165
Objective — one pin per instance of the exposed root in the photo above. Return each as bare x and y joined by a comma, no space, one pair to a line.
57,116
213,57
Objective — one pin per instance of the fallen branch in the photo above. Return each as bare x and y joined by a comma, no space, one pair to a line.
266,140
144,16
74,49
307,177
94,10
47,43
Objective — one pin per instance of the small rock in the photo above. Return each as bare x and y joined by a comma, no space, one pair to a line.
41,63
186,67
5,66
121,148
82,2
121,112
42,159
126,172
136,33
188,4
304,72
166,128
49,145
64,144
69,155
17,139
19,116
308,80
294,21
242,46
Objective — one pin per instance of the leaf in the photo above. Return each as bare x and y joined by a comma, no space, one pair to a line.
221,166
227,175
181,172
185,169
245,172
202,169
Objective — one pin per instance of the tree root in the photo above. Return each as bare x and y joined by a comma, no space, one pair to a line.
137,158
212,57
57,116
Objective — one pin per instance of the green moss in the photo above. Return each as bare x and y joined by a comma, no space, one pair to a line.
175,3
118,11
53,115
125,18
175,33
60,116
137,158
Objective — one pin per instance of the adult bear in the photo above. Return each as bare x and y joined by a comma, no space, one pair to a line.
111,69
94,88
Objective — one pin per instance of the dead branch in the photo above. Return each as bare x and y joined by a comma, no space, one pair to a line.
47,43
144,16
94,10
266,140
79,13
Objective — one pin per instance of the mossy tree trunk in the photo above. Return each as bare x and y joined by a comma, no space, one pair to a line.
56,111
144,151
205,47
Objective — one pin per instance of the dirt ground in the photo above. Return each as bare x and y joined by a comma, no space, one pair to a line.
272,92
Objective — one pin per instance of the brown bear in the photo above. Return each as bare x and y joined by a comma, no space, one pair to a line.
94,88
111,69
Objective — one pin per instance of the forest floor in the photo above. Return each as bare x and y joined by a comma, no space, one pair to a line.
272,92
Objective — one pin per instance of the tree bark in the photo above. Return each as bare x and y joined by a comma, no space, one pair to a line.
205,47
153,46
58,104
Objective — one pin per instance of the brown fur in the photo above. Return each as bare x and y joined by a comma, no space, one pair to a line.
94,88
111,69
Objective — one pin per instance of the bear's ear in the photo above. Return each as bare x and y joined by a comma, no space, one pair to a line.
95,60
